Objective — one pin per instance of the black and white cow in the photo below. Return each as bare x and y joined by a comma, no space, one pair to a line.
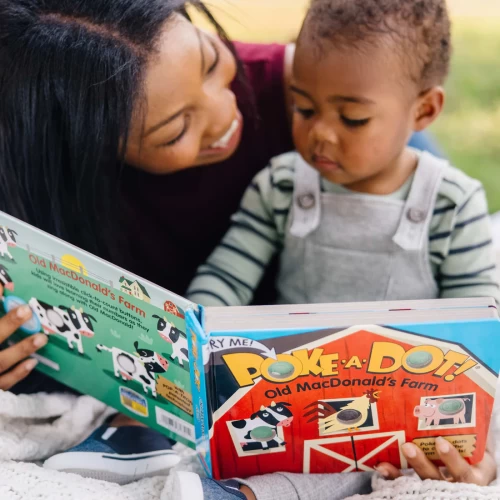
261,429
142,367
7,239
168,332
5,279
70,323
153,362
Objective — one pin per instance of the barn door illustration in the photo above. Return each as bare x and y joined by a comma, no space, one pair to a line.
353,452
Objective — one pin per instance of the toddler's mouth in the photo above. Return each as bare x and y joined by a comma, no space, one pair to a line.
325,164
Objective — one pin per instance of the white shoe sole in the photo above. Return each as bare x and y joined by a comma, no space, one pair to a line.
184,486
121,469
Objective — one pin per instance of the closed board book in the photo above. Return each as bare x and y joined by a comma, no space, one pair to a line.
313,388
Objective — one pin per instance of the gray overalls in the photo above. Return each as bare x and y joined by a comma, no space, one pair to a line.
359,247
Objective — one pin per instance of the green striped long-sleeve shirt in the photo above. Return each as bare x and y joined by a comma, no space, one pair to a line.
461,253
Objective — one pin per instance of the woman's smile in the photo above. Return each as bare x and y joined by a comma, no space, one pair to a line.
228,142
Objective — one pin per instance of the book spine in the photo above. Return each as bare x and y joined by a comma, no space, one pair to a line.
197,342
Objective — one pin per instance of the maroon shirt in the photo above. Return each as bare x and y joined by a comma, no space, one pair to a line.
178,219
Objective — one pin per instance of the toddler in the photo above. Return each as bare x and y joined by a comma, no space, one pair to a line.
354,214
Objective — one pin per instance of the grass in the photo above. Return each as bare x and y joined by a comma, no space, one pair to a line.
469,129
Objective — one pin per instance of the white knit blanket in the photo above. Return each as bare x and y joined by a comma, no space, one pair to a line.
33,427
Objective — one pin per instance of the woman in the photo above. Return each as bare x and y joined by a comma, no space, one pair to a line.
99,100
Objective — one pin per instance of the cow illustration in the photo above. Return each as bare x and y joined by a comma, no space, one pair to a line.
435,410
7,239
70,323
141,366
261,429
5,279
168,332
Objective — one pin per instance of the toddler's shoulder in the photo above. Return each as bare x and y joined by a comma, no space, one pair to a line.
457,187
282,169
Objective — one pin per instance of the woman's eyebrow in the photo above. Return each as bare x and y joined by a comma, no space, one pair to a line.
161,124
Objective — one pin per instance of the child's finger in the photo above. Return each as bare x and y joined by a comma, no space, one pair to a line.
388,470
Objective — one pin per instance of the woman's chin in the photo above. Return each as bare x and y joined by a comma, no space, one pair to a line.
214,158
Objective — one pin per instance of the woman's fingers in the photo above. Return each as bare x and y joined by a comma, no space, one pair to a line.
420,463
457,468
12,377
20,351
460,470
416,460
13,320
15,355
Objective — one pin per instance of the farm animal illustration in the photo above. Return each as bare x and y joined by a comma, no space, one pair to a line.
171,308
262,427
7,239
5,279
349,418
142,366
68,322
168,332
435,410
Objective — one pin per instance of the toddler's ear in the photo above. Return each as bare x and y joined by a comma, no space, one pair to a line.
428,107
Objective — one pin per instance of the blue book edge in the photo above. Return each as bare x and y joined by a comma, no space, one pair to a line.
198,344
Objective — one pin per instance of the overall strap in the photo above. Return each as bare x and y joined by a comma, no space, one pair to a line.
306,199
414,226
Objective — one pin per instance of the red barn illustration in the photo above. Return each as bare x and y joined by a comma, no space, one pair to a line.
350,400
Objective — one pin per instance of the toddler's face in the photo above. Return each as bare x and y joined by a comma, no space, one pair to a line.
354,112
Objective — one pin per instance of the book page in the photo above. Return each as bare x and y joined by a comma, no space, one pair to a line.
111,334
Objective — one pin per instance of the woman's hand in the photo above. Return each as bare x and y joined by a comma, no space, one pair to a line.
13,363
457,468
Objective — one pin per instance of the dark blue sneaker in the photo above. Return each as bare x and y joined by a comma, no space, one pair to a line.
119,455
189,486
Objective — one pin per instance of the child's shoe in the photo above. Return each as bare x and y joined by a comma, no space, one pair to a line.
119,455
189,486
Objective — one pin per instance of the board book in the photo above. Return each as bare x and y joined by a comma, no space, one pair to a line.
300,388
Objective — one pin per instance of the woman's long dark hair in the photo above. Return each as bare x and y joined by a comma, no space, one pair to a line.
71,74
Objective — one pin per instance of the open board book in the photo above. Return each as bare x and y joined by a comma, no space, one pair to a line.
310,388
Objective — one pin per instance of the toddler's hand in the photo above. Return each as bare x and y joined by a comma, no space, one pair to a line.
457,468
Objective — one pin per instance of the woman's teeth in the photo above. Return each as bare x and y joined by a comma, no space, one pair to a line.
224,141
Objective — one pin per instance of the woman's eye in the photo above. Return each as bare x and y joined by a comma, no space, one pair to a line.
215,63
354,123
305,113
179,137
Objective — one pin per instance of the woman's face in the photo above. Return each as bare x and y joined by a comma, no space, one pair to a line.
190,116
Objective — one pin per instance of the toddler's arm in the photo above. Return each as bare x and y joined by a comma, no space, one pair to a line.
463,248
234,269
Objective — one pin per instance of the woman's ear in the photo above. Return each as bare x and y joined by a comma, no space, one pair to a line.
429,106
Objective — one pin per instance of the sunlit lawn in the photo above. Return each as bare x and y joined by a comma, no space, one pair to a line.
469,129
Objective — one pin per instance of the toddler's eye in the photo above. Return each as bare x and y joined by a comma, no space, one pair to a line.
354,123
305,113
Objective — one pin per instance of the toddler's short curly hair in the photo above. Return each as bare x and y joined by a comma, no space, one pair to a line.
420,28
